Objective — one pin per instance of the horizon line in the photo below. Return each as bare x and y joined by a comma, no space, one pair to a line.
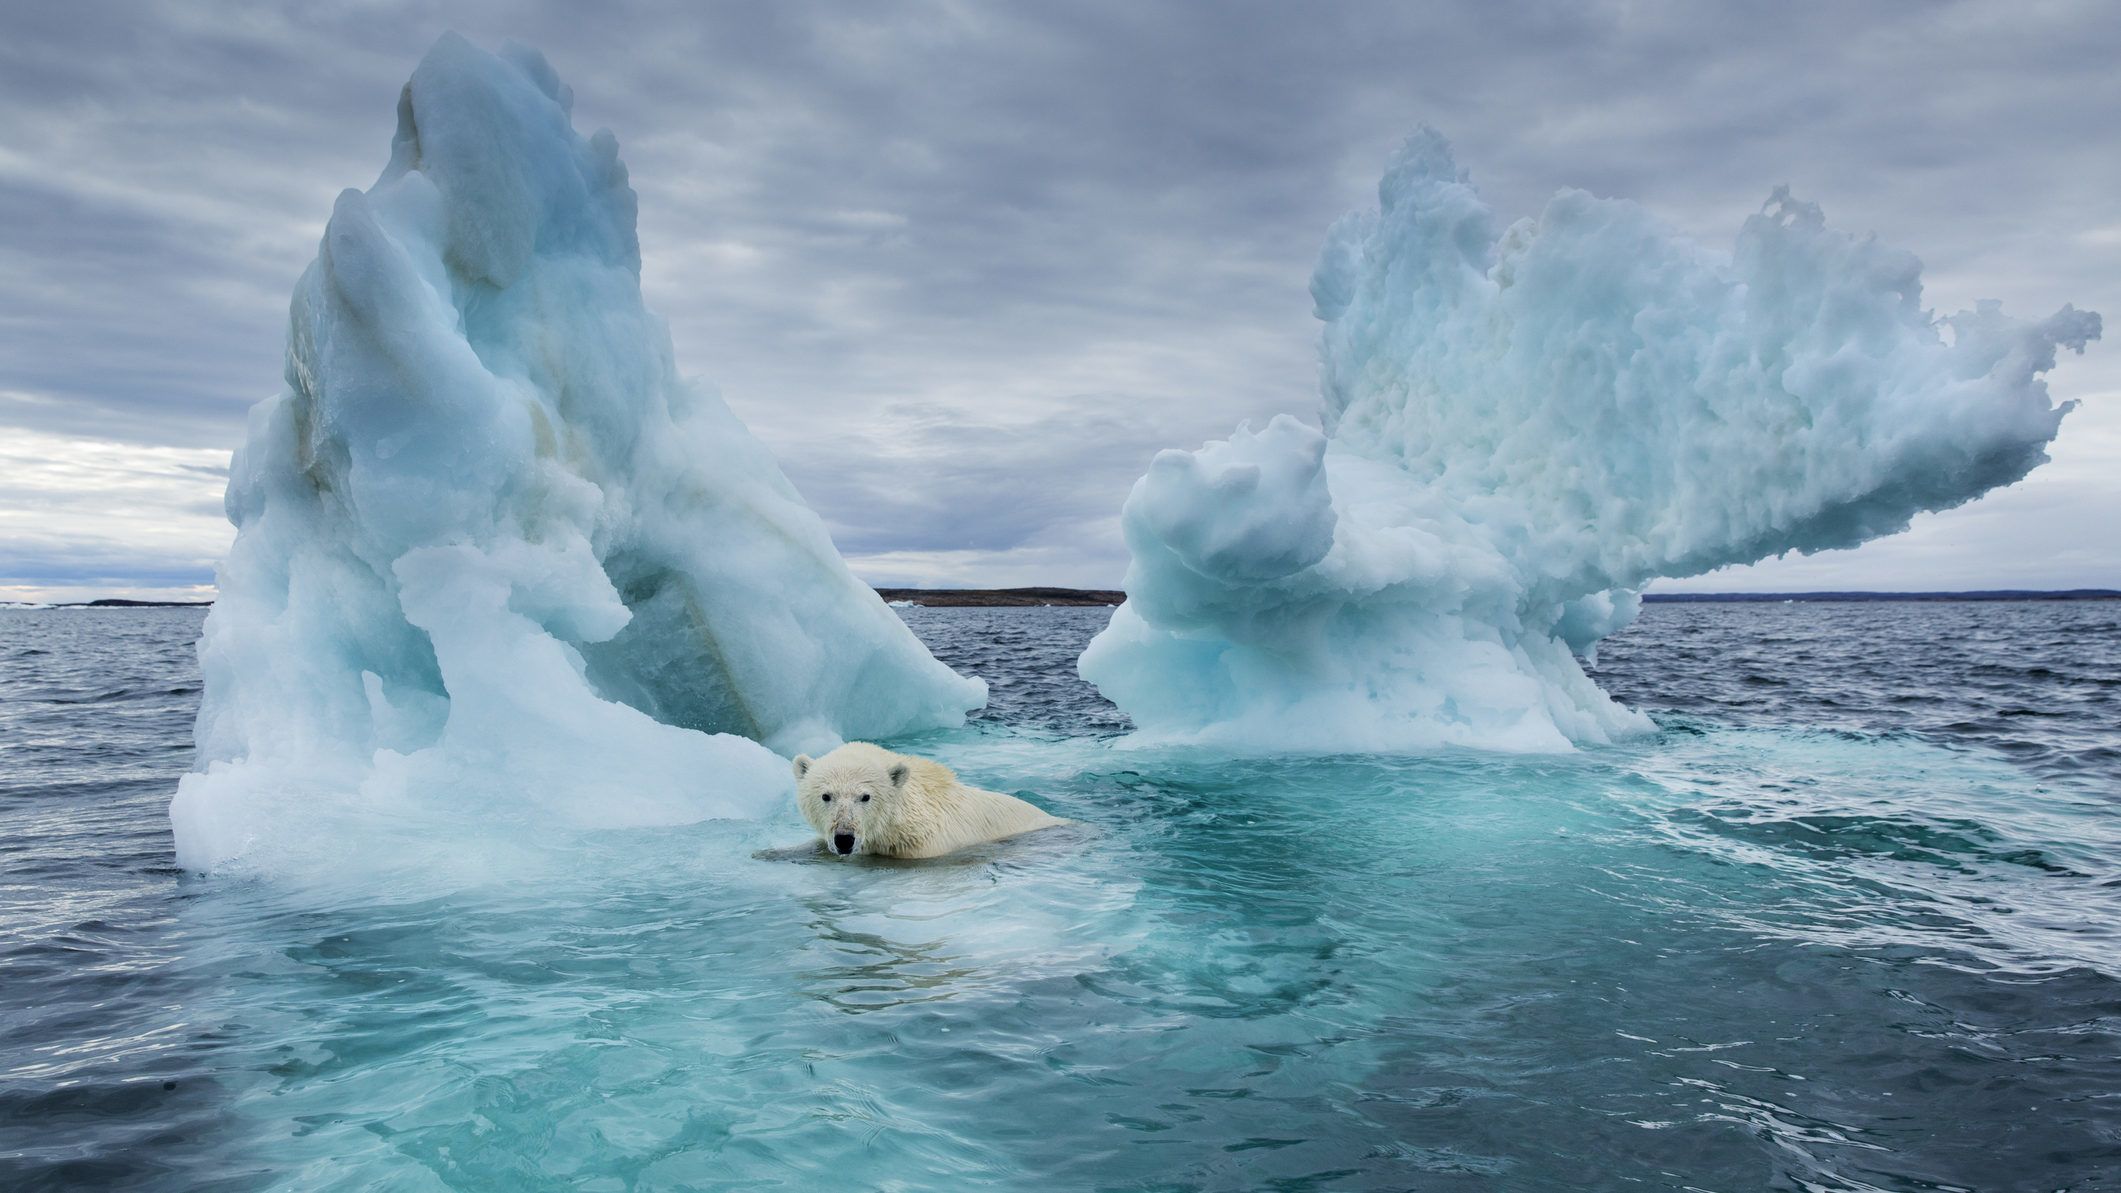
1033,595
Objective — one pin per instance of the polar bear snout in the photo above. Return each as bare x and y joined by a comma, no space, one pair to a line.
843,843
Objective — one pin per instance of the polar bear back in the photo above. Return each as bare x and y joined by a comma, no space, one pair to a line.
937,813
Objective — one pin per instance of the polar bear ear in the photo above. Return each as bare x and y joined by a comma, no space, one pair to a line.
898,774
802,764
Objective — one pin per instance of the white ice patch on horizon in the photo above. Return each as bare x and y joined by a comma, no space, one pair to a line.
1523,427
496,563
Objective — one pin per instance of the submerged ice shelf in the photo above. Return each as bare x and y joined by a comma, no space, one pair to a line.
1523,427
494,559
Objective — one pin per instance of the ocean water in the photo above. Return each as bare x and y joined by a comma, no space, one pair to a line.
1851,920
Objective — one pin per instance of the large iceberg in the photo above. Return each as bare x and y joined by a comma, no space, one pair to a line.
495,561
1523,427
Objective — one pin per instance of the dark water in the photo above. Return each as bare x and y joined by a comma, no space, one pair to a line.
1851,921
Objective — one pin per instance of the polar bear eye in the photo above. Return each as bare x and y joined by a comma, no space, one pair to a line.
865,797
826,798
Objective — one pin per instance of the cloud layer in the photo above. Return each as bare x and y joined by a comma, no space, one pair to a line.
966,267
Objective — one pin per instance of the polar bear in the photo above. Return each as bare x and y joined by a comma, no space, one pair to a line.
865,799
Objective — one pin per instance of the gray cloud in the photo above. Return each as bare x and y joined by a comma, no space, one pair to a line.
965,266
923,493
94,517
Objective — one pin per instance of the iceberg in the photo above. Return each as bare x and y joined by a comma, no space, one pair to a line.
1522,427
495,561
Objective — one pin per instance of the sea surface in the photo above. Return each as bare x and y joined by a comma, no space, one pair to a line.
1851,920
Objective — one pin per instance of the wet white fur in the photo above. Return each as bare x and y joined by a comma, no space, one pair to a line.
916,808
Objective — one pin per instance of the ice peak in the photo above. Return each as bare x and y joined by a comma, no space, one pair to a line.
1526,428
494,559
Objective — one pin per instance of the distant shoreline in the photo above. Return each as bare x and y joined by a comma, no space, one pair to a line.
972,598
1987,594
960,598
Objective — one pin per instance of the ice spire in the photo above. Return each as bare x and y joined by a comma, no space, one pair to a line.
494,557
1523,427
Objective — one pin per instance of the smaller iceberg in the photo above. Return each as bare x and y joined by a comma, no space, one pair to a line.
1525,425
495,562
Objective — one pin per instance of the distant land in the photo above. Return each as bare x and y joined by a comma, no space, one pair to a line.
1026,597
963,597
119,603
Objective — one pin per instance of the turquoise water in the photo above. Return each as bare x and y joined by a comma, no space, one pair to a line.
1852,920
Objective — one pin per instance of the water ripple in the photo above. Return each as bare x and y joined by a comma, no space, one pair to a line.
1850,920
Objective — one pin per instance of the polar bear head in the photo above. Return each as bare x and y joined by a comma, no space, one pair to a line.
850,796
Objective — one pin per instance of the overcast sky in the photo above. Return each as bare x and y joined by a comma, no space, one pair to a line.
1011,250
